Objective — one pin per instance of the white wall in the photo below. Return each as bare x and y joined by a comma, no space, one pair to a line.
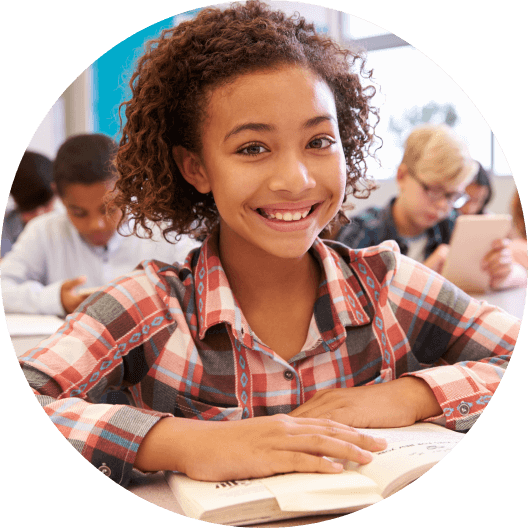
71,114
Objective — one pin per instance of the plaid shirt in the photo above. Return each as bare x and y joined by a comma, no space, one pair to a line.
375,225
174,339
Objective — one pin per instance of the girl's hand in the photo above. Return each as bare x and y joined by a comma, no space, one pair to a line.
499,263
394,403
256,447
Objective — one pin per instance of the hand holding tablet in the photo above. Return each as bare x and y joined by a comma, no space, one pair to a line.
471,241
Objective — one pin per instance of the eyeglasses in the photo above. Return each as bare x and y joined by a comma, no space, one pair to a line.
455,199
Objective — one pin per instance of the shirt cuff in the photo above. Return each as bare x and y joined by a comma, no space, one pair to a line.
51,297
115,449
462,400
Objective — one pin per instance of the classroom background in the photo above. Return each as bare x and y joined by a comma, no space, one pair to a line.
411,90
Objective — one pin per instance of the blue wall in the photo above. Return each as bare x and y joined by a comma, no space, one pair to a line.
112,72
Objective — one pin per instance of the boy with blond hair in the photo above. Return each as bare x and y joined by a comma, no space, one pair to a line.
436,168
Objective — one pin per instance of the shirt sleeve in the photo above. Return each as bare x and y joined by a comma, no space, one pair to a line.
109,344
463,345
24,277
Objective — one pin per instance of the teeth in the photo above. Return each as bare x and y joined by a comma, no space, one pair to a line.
286,217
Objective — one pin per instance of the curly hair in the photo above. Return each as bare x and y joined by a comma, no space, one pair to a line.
170,90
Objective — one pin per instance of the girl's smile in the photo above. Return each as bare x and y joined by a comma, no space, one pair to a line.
289,216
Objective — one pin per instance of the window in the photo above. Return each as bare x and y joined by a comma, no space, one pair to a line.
411,89
358,28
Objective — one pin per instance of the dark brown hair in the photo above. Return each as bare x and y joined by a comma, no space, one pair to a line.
32,184
170,89
84,159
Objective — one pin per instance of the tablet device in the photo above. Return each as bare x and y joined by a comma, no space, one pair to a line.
471,240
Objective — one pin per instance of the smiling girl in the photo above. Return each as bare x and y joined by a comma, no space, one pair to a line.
265,349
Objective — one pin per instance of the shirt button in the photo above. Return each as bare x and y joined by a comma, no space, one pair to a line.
464,408
288,374
105,470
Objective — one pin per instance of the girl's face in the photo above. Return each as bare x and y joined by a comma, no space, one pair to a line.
273,159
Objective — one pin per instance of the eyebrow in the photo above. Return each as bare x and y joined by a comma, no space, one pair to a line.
264,127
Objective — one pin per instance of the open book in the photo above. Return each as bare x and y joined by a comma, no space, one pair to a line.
411,451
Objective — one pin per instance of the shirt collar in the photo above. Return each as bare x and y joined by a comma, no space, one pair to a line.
342,299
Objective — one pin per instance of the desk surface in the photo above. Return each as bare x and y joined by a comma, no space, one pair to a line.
155,489
511,301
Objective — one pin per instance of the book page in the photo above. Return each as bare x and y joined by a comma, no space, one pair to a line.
311,492
410,453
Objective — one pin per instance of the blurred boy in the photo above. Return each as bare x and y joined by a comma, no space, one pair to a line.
60,251
31,195
432,177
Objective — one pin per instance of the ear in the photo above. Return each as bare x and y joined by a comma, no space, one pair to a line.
402,172
402,176
191,169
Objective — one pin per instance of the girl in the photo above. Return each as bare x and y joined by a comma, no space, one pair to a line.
265,349
480,193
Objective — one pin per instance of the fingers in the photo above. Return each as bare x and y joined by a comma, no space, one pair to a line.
69,297
319,438
500,243
288,462
73,283
498,261
303,451
329,428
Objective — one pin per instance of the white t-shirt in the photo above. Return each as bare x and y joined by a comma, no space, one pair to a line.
416,247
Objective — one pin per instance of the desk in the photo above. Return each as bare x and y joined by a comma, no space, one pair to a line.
511,301
155,489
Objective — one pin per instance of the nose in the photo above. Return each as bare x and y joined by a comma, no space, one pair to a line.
292,175
443,204
98,223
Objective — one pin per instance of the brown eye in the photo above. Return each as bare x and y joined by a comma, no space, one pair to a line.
252,150
320,143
